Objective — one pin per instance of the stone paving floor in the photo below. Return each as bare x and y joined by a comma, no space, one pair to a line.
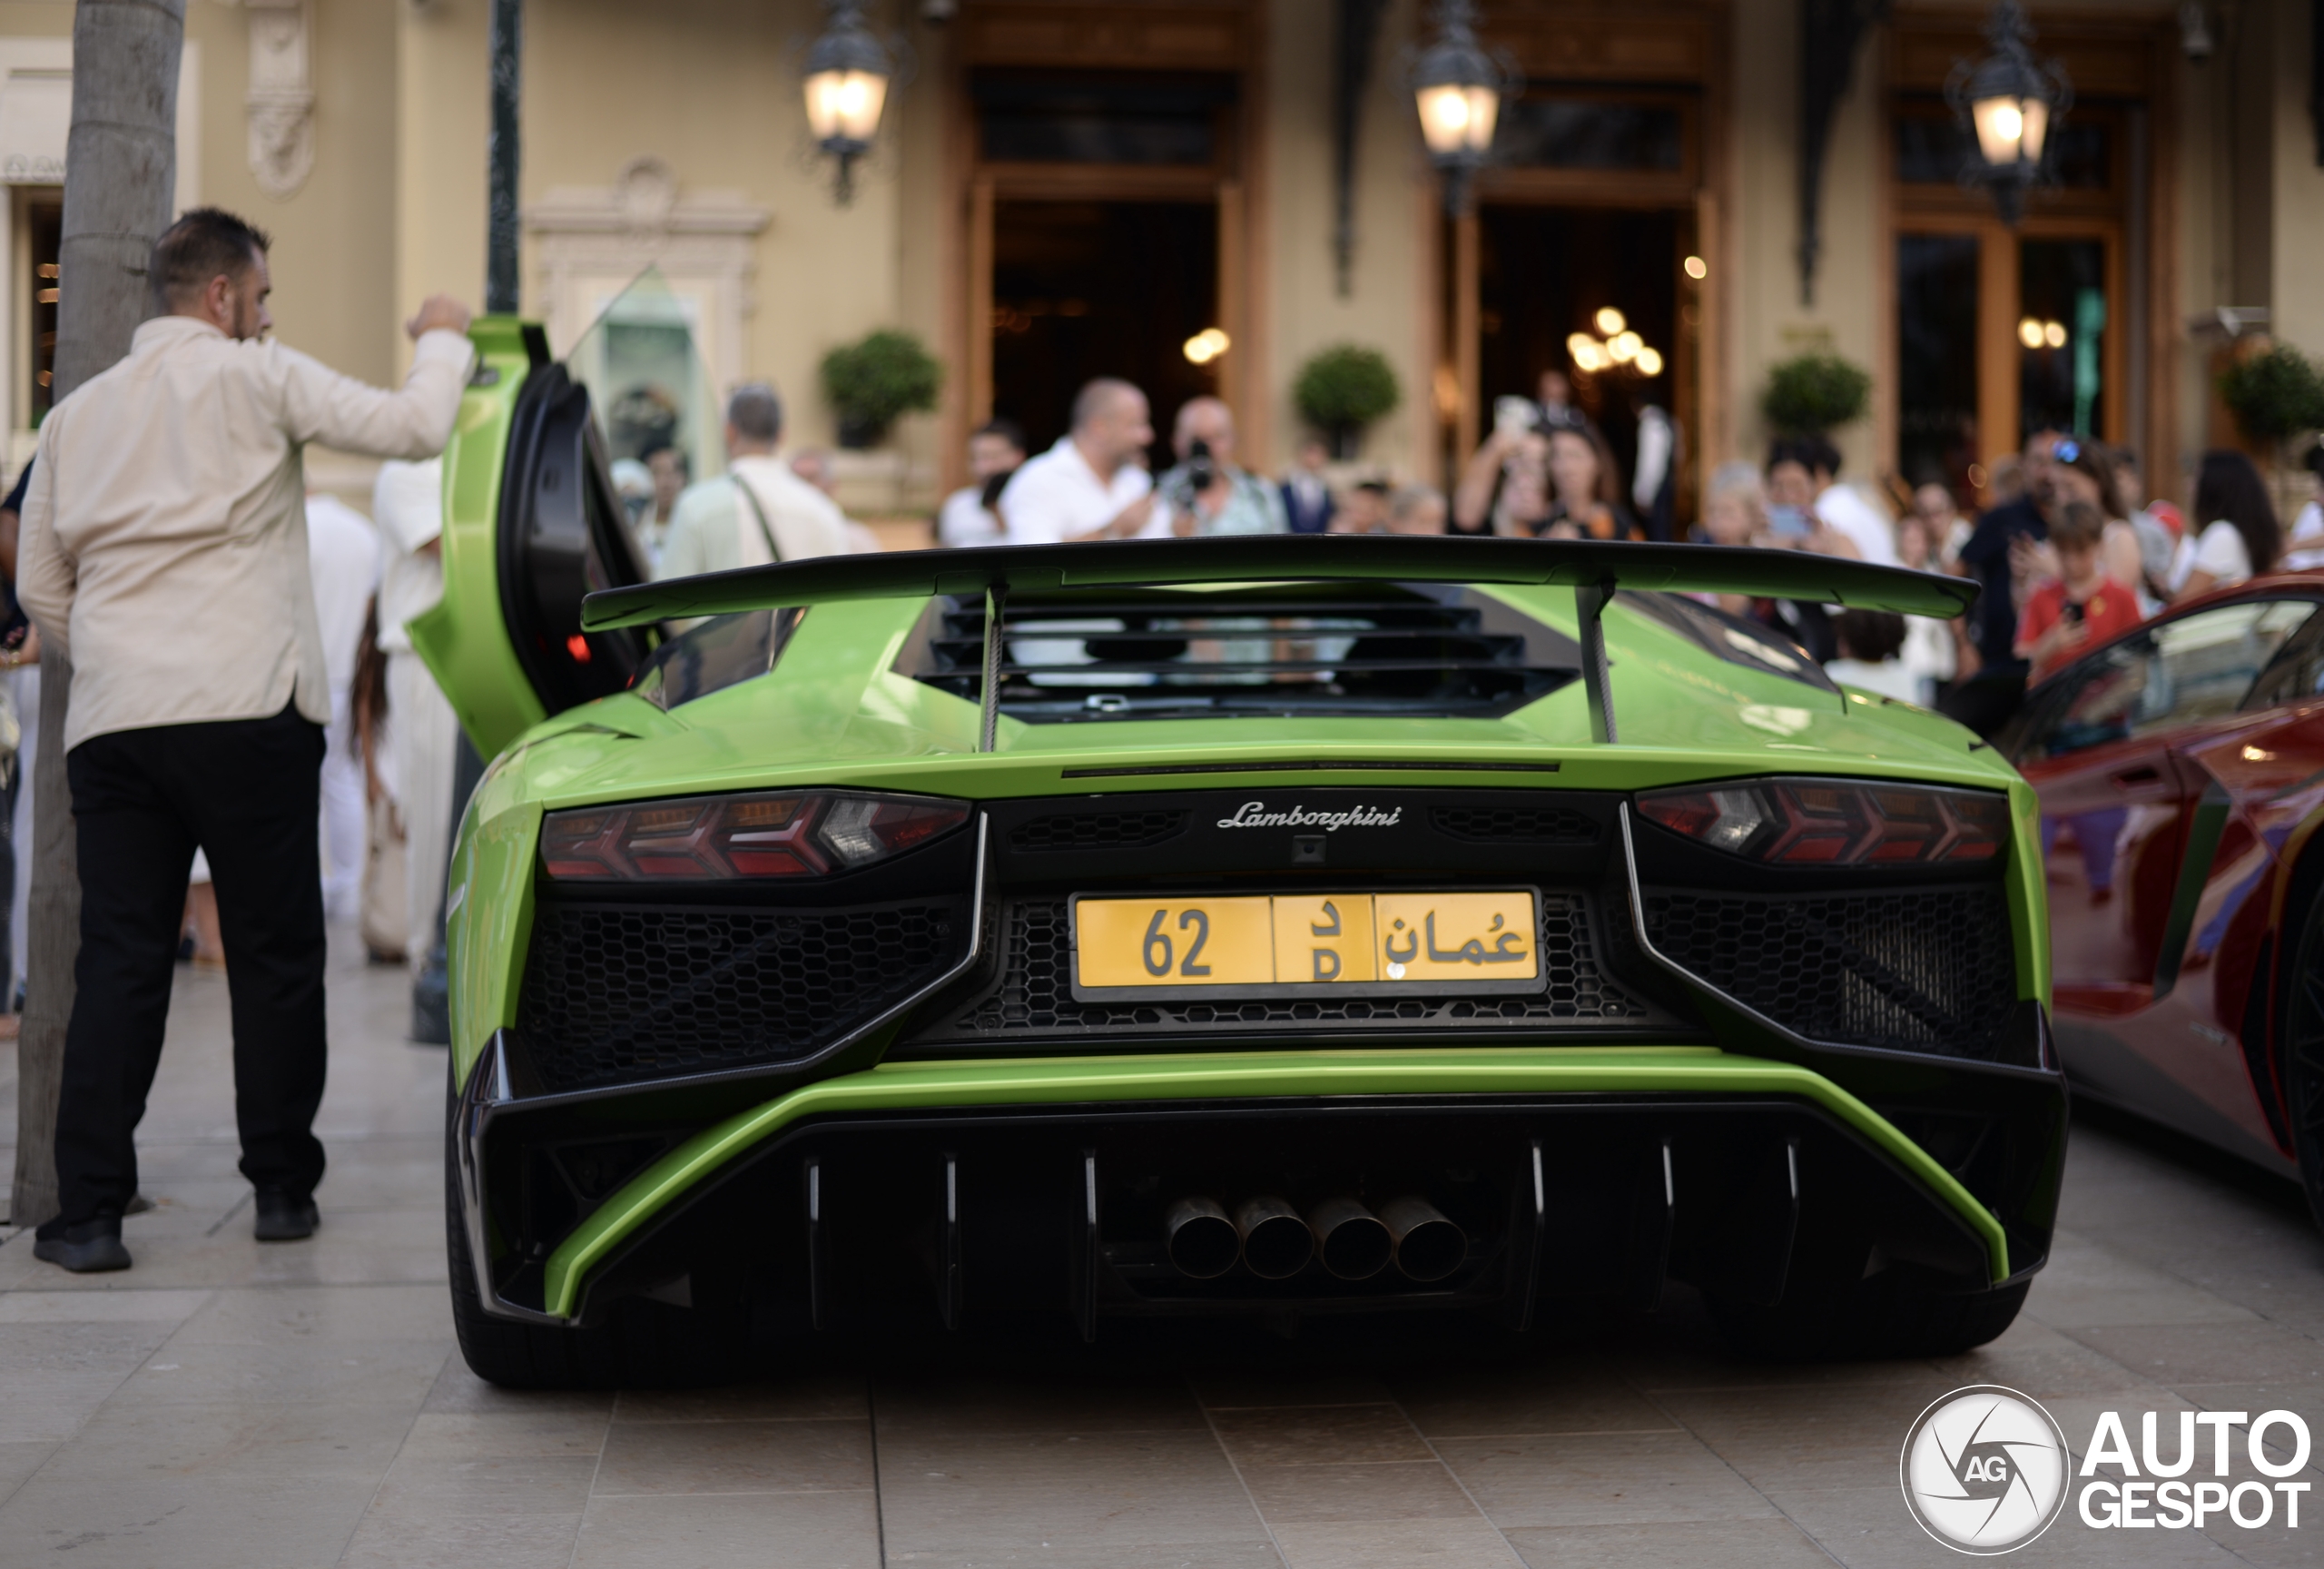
304,1405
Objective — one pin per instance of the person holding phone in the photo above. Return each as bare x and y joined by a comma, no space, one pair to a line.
2083,606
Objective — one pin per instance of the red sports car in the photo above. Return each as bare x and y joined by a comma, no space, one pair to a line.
2180,769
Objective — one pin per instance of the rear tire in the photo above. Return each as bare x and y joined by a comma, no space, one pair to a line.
640,1344
1900,1312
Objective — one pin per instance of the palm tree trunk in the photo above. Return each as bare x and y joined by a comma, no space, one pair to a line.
121,176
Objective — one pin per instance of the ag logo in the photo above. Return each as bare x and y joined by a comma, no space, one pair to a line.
1985,1470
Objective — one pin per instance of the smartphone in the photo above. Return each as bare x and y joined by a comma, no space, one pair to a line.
2070,611
1791,520
1514,416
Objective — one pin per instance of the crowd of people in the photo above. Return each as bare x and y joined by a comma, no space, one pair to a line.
2071,551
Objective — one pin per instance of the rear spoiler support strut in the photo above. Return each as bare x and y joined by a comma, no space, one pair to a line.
996,603
1590,602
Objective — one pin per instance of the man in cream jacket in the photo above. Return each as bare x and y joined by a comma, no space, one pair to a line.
164,552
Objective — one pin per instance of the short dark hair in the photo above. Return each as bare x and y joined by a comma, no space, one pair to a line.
2229,490
207,242
2079,524
1008,430
755,411
1813,453
1872,636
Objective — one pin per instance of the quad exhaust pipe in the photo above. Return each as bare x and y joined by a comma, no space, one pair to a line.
1275,1241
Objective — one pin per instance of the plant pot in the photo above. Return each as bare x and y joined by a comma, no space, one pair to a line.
1347,442
860,435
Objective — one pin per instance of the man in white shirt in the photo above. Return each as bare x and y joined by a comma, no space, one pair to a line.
996,451
1090,486
757,513
164,553
343,558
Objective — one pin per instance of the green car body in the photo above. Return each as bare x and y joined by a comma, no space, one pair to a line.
633,1271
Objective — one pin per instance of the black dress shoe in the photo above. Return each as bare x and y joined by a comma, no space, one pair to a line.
88,1249
282,1219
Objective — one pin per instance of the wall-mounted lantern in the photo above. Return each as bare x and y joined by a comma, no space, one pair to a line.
2012,103
848,70
1457,86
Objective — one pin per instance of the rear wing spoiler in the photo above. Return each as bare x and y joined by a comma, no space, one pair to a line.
1282,557
1594,569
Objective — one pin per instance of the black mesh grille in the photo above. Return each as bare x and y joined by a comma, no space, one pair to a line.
1097,829
615,994
1036,992
1931,970
1529,825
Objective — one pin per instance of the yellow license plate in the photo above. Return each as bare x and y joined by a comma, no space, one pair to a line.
1306,940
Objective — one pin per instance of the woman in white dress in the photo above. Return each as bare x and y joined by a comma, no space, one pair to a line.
2233,535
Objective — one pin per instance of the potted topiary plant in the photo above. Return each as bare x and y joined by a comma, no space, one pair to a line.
872,383
2274,394
1815,393
1343,389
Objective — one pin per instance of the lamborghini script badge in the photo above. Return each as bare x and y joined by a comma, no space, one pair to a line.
1254,814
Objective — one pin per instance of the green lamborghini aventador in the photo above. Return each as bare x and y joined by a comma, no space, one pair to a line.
1276,927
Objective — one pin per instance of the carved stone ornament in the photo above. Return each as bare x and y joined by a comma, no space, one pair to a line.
281,102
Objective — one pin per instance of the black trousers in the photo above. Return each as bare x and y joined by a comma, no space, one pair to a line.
249,793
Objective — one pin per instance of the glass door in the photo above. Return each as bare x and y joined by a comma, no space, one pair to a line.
2002,332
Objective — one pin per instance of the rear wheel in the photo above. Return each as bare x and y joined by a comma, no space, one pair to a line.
2303,1060
1834,1317
640,1344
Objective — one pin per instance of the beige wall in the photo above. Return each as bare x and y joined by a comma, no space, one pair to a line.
1770,322
2296,195
334,238
1385,307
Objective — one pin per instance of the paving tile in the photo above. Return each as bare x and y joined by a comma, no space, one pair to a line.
1769,1544
1257,1552
797,1457
437,1484
808,1530
59,1348
302,1372
1556,1399
229,1485
273,1315
119,1306
1396,1545
1870,1528
405,1538
2087,1285
977,1493
1399,1490
1600,1479
457,1390
2212,1353
1035,1406
1239,1389
548,1431
49,1407
1808,1437
1318,1435
2058,1368
830,1398
19,1461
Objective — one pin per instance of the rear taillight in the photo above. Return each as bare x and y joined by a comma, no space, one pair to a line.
705,838
1835,822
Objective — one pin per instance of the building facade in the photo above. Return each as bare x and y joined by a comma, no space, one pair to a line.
1064,188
